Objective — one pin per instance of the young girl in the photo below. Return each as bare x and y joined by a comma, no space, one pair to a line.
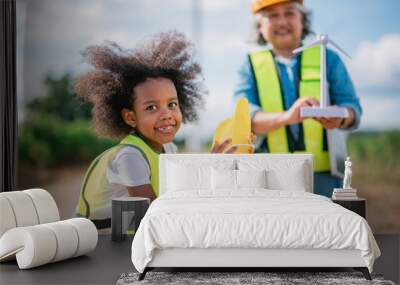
141,97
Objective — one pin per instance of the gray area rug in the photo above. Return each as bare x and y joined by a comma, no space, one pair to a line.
231,278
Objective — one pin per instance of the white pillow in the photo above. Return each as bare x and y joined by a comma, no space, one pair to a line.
290,179
223,179
281,174
251,178
184,177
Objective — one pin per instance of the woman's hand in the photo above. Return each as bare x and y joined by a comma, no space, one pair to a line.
334,123
292,116
223,147
330,123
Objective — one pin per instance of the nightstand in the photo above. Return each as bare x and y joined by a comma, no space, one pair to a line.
358,206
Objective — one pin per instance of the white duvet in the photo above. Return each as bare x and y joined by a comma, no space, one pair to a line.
252,218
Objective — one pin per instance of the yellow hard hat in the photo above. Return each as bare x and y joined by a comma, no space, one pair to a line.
261,4
237,129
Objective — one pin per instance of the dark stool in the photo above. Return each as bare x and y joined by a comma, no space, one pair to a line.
125,212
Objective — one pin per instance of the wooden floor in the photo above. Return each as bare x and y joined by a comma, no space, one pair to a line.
106,264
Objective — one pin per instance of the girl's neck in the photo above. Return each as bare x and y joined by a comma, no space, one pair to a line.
155,146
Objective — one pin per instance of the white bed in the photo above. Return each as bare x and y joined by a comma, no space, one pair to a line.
232,211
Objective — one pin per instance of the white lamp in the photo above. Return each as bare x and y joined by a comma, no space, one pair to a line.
323,110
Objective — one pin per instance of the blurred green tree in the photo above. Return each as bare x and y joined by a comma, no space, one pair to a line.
56,130
60,100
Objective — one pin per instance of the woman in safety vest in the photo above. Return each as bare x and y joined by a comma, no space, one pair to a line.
278,83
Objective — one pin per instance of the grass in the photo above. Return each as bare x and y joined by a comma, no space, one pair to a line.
376,175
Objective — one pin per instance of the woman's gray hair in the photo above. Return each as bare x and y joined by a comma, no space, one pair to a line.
258,37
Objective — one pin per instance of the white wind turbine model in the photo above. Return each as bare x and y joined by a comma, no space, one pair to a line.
323,110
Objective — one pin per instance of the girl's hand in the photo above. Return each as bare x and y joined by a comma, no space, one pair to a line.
142,191
221,148
253,137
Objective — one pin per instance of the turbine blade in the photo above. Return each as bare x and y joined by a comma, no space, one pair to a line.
339,48
300,49
315,43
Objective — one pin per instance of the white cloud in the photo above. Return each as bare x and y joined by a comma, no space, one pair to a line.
60,22
218,43
222,5
380,112
82,22
377,64
219,106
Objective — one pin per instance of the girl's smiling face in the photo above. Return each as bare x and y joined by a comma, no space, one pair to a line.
156,114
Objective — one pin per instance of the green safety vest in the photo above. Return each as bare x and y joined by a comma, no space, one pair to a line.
269,92
92,195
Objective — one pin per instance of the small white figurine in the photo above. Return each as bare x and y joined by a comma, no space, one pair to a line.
347,174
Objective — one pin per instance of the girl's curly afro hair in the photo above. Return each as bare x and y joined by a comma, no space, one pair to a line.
110,86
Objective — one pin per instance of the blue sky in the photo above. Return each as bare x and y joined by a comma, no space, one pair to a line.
356,20
52,33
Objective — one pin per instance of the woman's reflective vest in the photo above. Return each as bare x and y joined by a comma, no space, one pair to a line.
269,92
93,196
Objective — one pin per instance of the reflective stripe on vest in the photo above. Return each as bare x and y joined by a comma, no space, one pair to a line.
92,196
269,92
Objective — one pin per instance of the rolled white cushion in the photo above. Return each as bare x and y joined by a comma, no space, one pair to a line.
40,244
7,218
46,207
26,208
33,246
87,235
23,208
67,240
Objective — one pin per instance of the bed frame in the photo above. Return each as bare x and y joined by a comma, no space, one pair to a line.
246,259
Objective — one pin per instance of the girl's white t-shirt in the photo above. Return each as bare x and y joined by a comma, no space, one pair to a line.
130,168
